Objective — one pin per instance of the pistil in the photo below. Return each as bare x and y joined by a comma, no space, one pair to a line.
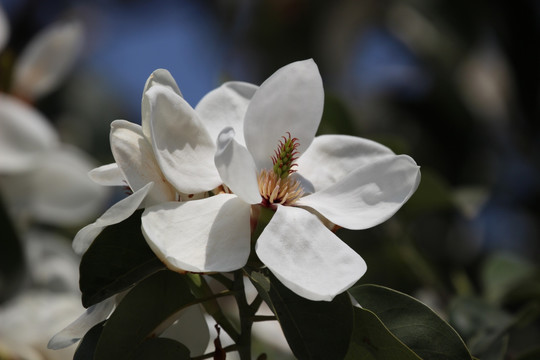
275,185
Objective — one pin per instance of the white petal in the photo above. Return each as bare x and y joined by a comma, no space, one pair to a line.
291,100
114,215
107,175
369,195
60,191
331,157
182,146
78,328
205,235
4,29
226,106
33,317
307,257
135,158
236,167
158,77
24,135
47,59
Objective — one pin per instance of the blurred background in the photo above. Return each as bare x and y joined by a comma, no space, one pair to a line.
454,84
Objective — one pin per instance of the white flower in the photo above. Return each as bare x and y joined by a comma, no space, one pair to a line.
170,157
42,179
30,319
45,303
146,159
344,180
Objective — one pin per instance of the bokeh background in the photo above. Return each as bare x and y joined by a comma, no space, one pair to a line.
454,84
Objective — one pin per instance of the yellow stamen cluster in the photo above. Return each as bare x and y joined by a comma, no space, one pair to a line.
276,190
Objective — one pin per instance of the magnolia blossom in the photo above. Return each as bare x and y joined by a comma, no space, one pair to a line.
265,154
46,60
42,179
46,301
136,151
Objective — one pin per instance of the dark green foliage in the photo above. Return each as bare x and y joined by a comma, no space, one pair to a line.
118,258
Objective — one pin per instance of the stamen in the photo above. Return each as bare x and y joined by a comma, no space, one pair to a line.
276,190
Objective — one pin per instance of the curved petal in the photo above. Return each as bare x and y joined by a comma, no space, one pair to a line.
136,161
369,195
226,106
207,235
236,167
158,77
107,175
47,59
60,191
182,146
331,157
291,100
24,135
78,328
114,215
307,257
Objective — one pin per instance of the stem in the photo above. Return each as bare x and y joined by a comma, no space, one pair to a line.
201,290
259,318
225,281
246,314
256,304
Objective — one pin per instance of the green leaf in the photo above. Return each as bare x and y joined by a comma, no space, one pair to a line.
153,302
371,340
412,322
87,346
118,258
12,264
162,349
313,329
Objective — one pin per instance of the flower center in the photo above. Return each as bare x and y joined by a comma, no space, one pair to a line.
275,186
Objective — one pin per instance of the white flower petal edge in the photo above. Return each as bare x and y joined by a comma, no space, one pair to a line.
182,146
331,157
207,235
158,77
47,59
107,175
24,135
307,257
226,106
369,195
291,100
236,167
135,158
114,215
77,329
